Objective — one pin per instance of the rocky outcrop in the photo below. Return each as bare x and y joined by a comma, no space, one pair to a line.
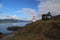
14,28
1,35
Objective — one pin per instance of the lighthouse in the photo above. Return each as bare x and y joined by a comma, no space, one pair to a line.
33,18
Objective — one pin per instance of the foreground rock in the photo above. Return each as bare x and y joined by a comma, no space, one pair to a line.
1,35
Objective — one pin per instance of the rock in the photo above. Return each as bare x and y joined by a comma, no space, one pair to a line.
14,28
1,35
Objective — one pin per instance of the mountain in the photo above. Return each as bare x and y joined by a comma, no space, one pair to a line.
11,21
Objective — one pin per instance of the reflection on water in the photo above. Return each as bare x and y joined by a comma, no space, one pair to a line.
3,27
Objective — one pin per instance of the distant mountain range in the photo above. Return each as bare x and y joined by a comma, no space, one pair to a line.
12,21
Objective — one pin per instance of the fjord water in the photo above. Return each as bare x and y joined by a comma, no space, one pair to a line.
3,27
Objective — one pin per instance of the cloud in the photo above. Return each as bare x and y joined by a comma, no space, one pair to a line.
27,11
49,5
43,7
1,5
13,17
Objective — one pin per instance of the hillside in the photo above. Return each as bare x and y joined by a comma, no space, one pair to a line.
8,20
39,30
11,21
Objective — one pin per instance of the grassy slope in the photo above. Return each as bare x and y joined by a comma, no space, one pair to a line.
39,30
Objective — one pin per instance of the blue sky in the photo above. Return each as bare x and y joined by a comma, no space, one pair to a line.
26,9
10,7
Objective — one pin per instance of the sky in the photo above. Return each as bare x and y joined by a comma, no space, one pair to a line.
26,9
12,8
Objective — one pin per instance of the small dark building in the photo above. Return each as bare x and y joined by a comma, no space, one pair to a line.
46,16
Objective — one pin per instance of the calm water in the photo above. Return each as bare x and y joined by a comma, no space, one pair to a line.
3,27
